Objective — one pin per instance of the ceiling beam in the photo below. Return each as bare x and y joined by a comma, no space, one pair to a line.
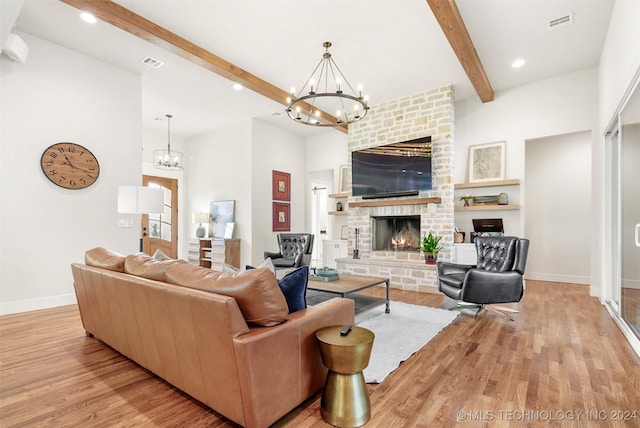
139,26
450,20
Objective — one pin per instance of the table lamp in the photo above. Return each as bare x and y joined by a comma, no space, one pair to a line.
201,218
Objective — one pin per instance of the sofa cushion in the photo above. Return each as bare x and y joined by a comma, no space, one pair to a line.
105,259
145,266
256,291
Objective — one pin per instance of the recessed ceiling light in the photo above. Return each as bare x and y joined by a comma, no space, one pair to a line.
237,86
517,63
88,17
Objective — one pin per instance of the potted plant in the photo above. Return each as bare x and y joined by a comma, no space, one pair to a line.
467,199
430,247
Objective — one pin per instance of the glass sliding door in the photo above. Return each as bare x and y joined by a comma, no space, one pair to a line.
629,211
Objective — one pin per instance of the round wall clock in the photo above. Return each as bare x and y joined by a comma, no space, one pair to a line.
70,165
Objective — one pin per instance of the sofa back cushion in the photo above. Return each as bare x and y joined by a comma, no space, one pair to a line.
105,259
256,291
145,266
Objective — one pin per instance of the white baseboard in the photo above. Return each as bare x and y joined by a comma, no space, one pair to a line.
556,277
18,306
631,283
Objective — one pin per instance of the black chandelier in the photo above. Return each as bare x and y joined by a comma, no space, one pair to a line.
327,90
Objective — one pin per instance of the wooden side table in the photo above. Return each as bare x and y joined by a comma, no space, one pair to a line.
345,400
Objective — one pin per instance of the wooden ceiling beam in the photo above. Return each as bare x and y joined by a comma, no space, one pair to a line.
450,20
139,26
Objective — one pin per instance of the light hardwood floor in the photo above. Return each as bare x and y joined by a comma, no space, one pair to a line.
562,355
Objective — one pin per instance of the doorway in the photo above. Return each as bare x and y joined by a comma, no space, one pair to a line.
160,231
558,203
321,184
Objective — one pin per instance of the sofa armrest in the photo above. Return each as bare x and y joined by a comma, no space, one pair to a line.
284,361
447,268
270,255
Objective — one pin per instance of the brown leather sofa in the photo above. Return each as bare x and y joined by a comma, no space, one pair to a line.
200,341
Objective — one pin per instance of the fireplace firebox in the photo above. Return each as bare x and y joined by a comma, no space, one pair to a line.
396,233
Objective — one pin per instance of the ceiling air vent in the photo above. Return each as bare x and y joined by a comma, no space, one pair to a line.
152,62
561,21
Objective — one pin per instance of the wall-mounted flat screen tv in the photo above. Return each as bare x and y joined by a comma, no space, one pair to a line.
398,169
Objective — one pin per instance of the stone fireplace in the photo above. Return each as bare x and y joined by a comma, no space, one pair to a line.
396,233
390,229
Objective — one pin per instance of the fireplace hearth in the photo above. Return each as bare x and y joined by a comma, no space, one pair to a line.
396,233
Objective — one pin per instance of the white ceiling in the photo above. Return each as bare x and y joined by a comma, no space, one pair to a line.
394,48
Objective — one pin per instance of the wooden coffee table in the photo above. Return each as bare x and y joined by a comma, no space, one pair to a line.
349,284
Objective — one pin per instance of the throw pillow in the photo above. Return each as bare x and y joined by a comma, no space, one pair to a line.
228,268
294,287
159,255
268,263
105,259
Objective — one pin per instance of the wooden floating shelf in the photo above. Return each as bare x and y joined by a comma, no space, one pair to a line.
339,195
487,207
338,212
512,182
394,202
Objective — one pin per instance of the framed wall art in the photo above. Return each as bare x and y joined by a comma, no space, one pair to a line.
281,185
487,162
280,217
222,212
344,179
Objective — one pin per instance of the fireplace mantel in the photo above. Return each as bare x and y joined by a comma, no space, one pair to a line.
395,202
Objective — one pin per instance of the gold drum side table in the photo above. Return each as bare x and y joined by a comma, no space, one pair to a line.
345,399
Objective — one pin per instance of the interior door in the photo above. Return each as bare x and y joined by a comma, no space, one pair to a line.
160,231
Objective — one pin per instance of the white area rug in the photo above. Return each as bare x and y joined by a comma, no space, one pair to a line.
399,334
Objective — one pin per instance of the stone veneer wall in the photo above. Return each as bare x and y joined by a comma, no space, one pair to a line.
425,114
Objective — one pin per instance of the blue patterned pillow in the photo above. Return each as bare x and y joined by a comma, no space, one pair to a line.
294,288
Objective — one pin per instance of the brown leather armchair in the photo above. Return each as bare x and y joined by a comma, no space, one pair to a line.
295,250
497,277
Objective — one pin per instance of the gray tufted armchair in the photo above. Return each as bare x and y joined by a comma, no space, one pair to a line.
295,250
497,277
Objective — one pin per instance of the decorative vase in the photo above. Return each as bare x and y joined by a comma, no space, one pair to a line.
339,206
430,259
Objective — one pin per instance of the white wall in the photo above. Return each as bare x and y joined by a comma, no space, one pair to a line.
620,58
558,177
275,149
236,163
557,106
60,95
219,168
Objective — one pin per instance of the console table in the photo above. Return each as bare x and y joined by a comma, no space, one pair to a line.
215,253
